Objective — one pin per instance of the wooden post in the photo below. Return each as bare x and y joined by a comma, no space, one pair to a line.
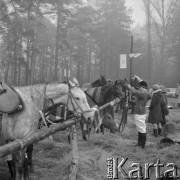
131,58
75,155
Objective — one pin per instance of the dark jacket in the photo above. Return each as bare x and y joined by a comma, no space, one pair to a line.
155,113
164,107
142,96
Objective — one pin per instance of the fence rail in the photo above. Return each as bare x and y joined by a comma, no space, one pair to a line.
43,133
37,136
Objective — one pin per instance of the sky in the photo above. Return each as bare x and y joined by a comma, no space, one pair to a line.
138,14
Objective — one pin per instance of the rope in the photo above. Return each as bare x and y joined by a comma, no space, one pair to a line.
43,118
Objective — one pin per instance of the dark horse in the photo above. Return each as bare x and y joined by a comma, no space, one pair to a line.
97,83
101,95
100,82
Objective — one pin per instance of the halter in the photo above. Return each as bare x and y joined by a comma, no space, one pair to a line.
70,98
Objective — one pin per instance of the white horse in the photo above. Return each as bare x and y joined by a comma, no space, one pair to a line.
25,123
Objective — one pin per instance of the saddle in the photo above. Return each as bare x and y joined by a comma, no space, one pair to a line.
9,99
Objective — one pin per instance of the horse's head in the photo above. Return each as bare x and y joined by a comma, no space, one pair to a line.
103,80
77,100
99,82
119,88
72,96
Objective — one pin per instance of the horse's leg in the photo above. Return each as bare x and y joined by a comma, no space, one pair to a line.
102,129
26,168
111,112
11,165
88,130
83,129
29,156
69,138
20,171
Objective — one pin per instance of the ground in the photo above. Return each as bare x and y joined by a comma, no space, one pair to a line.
52,158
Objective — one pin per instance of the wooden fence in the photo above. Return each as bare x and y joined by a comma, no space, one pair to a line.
45,132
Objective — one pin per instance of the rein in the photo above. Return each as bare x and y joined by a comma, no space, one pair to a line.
69,99
91,98
43,94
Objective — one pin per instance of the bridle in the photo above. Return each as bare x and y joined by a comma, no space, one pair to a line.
70,98
73,101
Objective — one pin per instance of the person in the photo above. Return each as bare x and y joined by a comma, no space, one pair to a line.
178,94
155,114
142,96
164,105
132,101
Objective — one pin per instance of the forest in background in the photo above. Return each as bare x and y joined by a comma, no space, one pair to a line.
49,40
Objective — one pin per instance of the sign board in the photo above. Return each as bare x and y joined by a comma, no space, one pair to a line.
123,61
134,55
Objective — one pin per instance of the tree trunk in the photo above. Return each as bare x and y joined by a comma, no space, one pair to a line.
57,40
15,59
149,44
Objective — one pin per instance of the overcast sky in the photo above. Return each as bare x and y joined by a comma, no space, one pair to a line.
138,12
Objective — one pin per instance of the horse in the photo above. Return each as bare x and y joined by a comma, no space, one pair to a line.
22,124
101,95
102,81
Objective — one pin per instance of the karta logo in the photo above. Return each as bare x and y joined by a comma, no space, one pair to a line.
116,169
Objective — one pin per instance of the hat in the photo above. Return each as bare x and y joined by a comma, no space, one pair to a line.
143,83
156,87
163,88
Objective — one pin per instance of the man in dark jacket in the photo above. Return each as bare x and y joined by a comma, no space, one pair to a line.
142,96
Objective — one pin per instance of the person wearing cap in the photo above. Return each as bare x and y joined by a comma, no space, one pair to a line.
155,113
142,96
164,104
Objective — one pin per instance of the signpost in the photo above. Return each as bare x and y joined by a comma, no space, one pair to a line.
131,58
122,64
123,59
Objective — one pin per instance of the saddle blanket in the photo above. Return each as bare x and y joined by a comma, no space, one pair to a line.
9,100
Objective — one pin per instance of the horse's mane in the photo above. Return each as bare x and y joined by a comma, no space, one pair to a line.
40,84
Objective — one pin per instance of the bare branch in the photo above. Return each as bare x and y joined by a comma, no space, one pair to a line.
170,11
157,8
159,33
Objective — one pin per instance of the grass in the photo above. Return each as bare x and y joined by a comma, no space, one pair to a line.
52,159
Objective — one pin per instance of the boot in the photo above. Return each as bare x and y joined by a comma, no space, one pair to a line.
155,132
143,140
159,131
139,138
12,169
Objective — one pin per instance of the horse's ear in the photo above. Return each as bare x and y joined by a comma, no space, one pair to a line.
75,81
70,84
